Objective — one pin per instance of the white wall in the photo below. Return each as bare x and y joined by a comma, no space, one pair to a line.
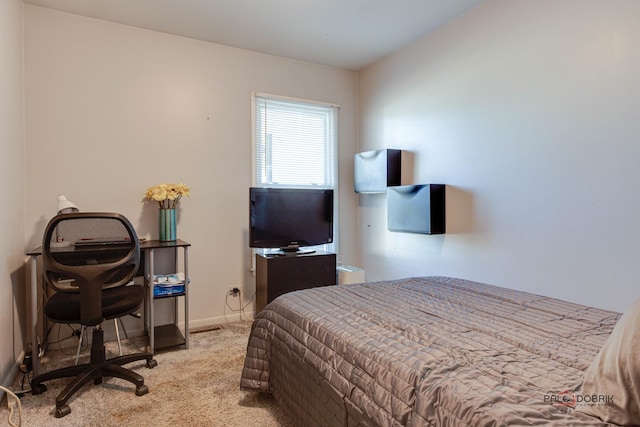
12,271
528,110
112,110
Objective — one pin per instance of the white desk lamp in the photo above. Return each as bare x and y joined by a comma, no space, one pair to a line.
65,206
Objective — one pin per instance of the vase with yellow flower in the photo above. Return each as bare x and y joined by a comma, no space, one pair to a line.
168,196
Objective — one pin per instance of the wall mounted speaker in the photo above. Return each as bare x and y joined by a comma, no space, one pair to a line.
416,209
376,170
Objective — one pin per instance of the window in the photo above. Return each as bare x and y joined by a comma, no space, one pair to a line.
295,145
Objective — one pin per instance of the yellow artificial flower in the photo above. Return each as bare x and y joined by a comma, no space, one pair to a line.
168,195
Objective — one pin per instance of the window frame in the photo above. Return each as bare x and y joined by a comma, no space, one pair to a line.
331,151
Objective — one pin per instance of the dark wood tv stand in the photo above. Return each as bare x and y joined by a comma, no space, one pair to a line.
279,274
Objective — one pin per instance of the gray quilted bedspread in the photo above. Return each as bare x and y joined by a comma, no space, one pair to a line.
432,351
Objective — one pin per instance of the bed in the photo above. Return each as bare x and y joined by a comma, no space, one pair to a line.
429,351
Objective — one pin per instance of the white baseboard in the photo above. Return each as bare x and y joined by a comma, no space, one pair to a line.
11,376
200,324
194,325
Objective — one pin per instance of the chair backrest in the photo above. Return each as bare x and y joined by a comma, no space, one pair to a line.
86,252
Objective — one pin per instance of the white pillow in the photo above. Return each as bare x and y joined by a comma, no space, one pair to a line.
615,373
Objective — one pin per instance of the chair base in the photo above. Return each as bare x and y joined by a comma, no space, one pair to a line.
97,368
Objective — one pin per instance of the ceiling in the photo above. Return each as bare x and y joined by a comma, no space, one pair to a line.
348,34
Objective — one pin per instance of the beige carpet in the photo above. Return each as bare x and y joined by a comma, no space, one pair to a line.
195,387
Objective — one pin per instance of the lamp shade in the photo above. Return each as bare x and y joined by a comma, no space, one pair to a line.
65,206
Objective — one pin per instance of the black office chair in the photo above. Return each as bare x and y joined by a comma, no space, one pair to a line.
91,278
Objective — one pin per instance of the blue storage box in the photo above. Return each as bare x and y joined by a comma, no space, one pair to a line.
165,290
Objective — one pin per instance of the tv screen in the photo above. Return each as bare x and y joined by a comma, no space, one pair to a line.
288,218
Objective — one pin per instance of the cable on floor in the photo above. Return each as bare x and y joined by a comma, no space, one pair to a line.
13,402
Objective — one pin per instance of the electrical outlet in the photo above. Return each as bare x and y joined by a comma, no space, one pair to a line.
234,291
27,363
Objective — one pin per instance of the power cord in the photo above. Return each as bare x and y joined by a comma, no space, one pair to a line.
26,368
238,292
74,333
13,402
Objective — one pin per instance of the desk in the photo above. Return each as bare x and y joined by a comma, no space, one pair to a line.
159,336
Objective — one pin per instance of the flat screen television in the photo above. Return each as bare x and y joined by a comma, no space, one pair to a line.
290,218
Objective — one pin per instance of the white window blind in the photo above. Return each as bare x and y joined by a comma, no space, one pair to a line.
295,146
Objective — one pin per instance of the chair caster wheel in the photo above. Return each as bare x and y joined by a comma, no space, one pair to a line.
152,363
62,411
38,388
142,390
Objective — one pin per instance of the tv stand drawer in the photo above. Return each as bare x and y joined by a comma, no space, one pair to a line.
277,275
